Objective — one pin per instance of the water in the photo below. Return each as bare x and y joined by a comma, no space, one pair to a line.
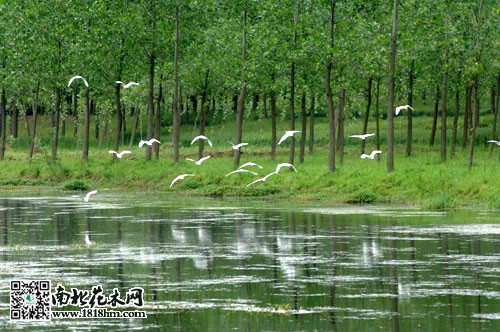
212,265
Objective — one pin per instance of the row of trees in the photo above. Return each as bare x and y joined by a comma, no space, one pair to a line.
250,52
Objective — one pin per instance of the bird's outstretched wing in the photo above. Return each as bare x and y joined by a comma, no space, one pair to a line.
250,164
80,77
191,160
492,141
356,136
202,160
154,140
87,197
180,177
284,165
241,171
113,151
364,156
284,137
374,153
124,152
254,182
141,143
128,85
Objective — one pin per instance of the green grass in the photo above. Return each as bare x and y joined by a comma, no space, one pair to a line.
421,179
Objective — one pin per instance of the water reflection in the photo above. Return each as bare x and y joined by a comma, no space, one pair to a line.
253,269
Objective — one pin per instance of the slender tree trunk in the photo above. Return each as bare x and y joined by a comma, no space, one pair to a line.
63,127
292,112
409,112
468,110
341,120
273,120
203,112
86,126
241,97
35,116
158,118
435,116
390,93
176,121
28,131
311,124
136,111
3,123
15,119
475,124
55,129
118,123
455,123
329,96
367,112
303,118
377,117
96,119
444,108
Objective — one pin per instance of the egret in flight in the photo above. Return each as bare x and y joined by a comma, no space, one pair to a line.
201,137
288,133
493,141
237,146
150,142
80,77
401,108
128,85
261,179
250,164
362,136
121,154
240,170
371,155
180,177
87,197
284,165
199,162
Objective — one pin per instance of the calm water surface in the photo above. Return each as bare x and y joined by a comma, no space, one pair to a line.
212,265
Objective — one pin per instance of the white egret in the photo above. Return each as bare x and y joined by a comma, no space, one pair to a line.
250,164
288,133
201,137
241,170
75,77
362,136
150,142
237,146
87,239
493,141
261,179
180,177
199,162
284,165
371,155
128,85
121,154
87,197
401,108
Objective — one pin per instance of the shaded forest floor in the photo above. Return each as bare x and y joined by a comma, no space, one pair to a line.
422,179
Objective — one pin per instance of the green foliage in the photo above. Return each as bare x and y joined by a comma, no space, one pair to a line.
76,185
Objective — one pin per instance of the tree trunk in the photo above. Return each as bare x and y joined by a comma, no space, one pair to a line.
28,131
158,118
176,121
341,118
15,119
367,112
435,116
377,117
86,126
390,93
455,123
203,112
63,127
409,112
55,128
311,124
273,121
475,124
124,124
3,123
444,108
96,119
35,116
303,118
75,112
292,112
329,97
468,110
136,122
118,123
241,97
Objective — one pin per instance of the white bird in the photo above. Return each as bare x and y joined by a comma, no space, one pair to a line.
261,179
150,142
371,155
87,239
128,85
404,107
240,170
87,197
199,162
180,177
493,141
75,77
288,133
121,154
284,165
201,137
237,146
250,164
362,136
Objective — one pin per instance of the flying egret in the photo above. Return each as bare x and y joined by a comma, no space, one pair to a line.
87,197
128,85
371,155
401,108
199,162
261,179
284,165
250,164
493,141
288,133
239,170
237,146
180,177
362,136
150,142
121,154
201,137
75,77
